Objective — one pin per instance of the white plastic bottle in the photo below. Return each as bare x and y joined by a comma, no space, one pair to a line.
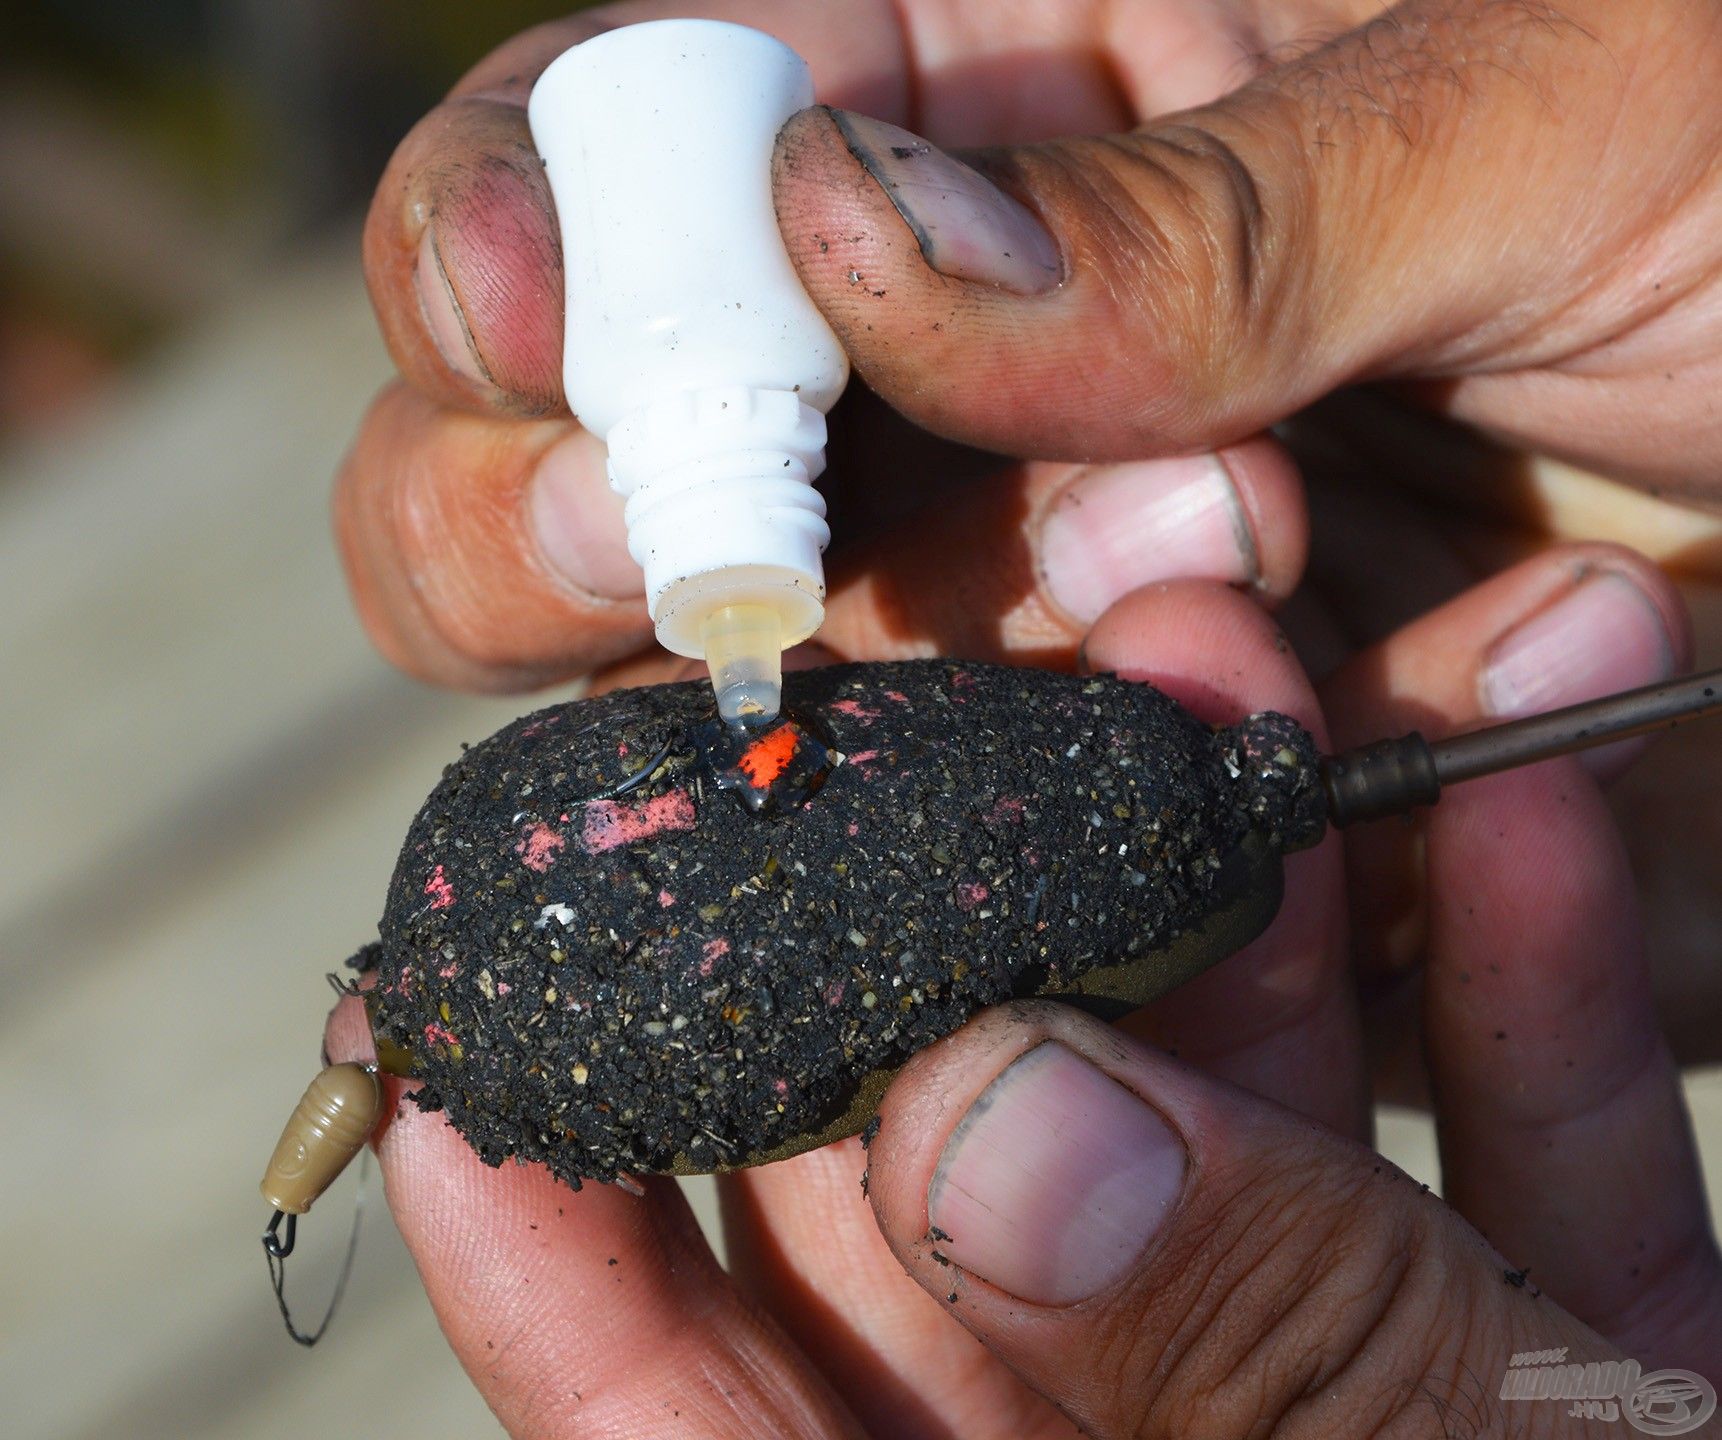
691,347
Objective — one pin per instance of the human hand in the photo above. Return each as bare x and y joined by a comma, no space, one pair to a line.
1505,197
1461,511
1132,1238
437,515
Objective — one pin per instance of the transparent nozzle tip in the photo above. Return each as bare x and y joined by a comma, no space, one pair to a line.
744,652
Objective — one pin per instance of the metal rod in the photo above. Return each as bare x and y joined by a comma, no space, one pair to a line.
1578,727
1397,776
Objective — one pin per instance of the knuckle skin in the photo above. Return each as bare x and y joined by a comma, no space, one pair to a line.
1293,1281
1194,251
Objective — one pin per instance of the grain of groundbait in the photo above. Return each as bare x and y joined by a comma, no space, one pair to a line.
594,954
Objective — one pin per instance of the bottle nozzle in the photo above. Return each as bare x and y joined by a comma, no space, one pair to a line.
743,646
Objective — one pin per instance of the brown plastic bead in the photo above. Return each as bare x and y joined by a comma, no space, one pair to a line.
329,1126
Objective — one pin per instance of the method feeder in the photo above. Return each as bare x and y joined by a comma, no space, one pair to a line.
623,938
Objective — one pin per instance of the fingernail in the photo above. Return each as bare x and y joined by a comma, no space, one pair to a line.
1603,636
1055,1181
488,268
442,312
577,521
966,226
1119,528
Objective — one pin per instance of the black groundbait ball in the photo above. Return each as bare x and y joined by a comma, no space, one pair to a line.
621,939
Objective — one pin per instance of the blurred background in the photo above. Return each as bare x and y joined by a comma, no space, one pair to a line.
208,772
158,158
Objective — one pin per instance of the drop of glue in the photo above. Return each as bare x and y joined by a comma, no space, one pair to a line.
772,768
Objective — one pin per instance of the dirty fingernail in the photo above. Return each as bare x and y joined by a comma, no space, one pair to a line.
443,317
577,521
1603,636
488,270
1055,1181
966,226
1119,528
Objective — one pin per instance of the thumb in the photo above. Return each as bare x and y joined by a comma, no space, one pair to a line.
1159,1253
1428,194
